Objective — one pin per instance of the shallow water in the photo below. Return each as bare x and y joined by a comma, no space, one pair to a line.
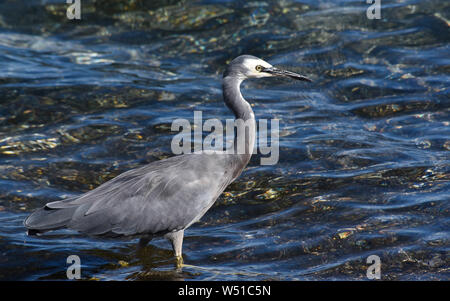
364,150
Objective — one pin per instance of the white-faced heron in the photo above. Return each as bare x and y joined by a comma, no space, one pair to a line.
164,197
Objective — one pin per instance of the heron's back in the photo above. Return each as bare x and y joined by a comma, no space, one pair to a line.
163,196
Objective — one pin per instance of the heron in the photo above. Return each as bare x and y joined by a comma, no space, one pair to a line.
165,197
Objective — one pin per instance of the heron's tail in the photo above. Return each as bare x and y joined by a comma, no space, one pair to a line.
46,219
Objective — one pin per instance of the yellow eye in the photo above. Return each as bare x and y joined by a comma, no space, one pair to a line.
259,68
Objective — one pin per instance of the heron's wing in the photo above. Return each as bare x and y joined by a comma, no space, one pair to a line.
163,196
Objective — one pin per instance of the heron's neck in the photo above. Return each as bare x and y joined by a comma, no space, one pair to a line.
243,112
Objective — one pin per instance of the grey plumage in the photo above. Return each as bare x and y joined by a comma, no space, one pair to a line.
167,196
160,197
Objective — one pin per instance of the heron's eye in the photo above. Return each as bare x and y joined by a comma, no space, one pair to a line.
259,68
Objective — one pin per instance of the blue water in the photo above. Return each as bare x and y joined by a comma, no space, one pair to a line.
364,150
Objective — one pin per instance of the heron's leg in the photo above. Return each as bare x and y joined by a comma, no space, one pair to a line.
176,238
143,241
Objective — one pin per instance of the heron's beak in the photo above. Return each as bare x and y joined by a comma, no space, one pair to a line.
278,72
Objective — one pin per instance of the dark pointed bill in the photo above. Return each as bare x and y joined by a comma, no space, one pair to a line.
285,73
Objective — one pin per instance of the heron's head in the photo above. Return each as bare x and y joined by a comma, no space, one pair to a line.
248,66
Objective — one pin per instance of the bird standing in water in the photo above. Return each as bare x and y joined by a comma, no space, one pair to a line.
164,197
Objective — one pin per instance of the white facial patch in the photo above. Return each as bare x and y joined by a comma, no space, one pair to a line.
251,64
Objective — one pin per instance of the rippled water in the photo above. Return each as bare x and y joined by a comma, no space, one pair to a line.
364,150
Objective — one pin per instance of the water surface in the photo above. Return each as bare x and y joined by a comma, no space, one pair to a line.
364,150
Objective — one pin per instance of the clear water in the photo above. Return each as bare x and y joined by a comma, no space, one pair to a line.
364,150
